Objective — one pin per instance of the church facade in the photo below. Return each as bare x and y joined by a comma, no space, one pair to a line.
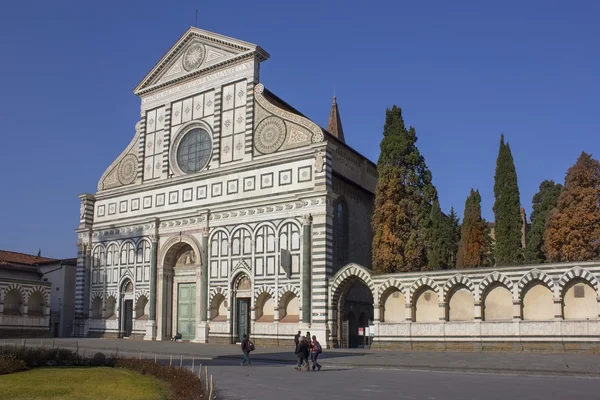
228,212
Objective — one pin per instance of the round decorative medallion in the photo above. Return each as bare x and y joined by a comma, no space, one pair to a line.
270,135
193,56
127,169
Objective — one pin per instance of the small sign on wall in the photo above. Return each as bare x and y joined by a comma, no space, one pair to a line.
361,331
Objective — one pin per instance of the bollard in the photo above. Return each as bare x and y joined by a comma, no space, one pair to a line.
154,358
171,360
206,377
140,354
193,363
180,360
53,344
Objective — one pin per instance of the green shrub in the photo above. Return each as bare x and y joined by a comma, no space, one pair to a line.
9,364
182,383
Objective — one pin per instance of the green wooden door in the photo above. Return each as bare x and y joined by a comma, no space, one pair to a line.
186,311
243,317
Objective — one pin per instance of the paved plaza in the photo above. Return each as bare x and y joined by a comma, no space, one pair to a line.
359,374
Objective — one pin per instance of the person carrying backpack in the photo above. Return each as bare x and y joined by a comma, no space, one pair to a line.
297,341
315,351
247,347
302,354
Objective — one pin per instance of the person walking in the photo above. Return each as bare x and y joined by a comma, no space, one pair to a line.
302,355
315,350
247,347
297,341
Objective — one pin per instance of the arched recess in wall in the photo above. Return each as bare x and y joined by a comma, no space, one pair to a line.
218,308
111,309
36,306
392,305
497,303
13,301
142,308
265,308
537,302
461,304
340,232
425,305
579,300
289,308
97,307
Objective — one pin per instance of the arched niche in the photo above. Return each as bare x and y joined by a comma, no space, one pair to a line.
218,308
265,310
579,301
392,309
538,302
461,306
36,306
498,303
289,308
426,305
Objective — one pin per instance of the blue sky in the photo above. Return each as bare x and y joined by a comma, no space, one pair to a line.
462,71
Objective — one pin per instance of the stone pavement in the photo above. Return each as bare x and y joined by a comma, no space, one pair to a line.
506,363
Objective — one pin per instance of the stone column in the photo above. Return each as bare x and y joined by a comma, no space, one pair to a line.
151,324
517,310
202,331
442,309
558,312
306,269
408,312
477,311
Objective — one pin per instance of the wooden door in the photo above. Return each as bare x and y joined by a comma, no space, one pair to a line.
186,311
243,317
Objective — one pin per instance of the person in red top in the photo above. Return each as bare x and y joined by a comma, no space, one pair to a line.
315,350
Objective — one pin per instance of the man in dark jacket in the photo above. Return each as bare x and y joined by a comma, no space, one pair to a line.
297,342
302,353
246,350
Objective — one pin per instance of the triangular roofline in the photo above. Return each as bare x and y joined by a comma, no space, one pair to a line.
222,40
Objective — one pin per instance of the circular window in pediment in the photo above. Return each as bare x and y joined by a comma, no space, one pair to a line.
193,56
194,151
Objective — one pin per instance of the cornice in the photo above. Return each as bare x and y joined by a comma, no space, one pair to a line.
270,160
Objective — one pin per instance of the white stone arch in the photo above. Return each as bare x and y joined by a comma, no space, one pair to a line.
176,241
262,289
126,275
284,223
459,280
492,278
535,275
419,284
237,229
577,273
18,288
389,283
266,223
285,289
142,292
215,291
214,231
109,246
344,275
43,291
97,293
140,245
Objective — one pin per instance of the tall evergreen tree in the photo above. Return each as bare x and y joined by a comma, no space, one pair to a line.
507,210
454,234
543,202
402,201
438,239
473,247
443,239
573,227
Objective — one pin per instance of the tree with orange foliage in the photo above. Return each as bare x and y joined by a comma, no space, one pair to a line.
573,227
474,246
402,200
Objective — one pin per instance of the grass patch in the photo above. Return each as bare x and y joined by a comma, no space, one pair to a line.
81,383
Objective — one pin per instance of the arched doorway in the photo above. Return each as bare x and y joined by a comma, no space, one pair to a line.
127,297
241,295
355,306
179,290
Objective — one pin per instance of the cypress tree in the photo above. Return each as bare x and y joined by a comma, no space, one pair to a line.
402,200
438,240
542,203
473,247
573,227
507,210
454,234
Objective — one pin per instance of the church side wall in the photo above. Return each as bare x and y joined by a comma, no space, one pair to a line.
504,308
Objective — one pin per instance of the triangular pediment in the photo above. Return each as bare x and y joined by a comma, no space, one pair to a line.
196,52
